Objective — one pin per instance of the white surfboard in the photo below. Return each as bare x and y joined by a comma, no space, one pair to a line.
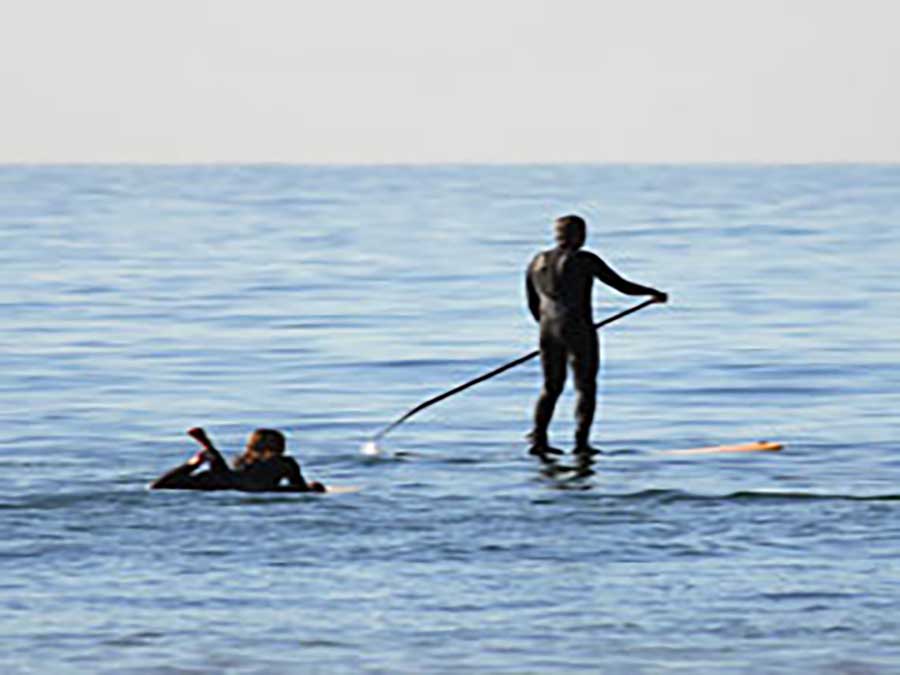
342,489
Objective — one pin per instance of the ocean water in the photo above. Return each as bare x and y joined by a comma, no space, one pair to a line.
140,301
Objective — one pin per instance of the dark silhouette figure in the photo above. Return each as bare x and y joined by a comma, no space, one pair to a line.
262,467
559,283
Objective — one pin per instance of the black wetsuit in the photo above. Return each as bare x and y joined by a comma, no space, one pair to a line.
559,283
260,476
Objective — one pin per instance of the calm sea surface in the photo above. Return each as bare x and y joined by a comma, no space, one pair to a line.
140,301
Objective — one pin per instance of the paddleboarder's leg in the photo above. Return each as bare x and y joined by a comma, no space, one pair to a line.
584,355
553,364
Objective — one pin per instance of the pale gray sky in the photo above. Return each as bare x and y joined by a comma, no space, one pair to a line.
451,81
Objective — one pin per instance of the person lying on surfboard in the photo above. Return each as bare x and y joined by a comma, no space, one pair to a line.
262,467
558,286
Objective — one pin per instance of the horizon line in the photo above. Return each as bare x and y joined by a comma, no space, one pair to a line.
450,163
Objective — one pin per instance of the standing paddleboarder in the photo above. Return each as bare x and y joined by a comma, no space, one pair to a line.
559,283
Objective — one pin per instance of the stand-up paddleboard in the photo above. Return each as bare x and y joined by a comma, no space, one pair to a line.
553,466
759,446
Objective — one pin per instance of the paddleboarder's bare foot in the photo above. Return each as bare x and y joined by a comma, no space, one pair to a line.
586,450
540,447
544,451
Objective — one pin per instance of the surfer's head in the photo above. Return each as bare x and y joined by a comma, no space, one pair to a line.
266,443
262,444
570,231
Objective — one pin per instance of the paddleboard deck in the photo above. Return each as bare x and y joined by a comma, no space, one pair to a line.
554,465
759,446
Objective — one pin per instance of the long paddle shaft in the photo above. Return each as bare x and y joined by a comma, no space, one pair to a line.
502,369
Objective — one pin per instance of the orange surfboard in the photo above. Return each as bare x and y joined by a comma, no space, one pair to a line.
759,446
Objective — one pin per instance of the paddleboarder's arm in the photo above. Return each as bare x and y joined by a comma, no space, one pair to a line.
611,278
534,300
